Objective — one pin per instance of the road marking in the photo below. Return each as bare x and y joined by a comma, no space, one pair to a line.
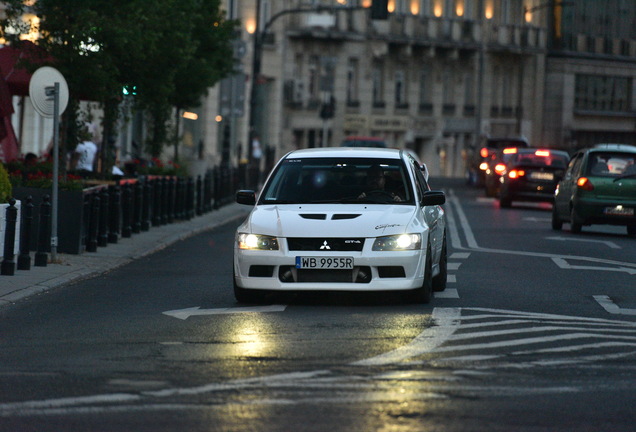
536,219
607,243
451,279
453,266
612,307
446,321
447,293
460,255
562,263
184,314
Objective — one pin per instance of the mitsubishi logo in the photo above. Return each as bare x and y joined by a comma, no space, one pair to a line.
325,246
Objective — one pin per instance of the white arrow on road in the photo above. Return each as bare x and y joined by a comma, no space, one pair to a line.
607,243
612,307
562,263
184,314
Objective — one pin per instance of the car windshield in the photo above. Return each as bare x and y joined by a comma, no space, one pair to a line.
609,164
339,180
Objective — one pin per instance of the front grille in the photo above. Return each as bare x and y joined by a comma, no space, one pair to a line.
289,274
325,244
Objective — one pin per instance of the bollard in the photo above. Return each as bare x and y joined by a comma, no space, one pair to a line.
156,206
24,259
171,196
180,188
93,225
126,211
102,236
137,210
115,215
190,198
146,205
217,188
44,233
8,263
165,196
199,196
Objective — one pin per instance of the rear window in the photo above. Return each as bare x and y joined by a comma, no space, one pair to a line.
611,164
542,159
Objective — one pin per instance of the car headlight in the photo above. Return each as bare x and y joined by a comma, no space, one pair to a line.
256,242
398,242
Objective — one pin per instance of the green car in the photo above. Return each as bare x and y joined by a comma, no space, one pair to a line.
599,187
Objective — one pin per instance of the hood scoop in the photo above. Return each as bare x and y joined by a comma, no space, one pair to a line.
344,216
317,216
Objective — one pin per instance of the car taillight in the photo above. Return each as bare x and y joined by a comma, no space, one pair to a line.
483,166
510,150
543,153
585,184
483,152
500,168
513,174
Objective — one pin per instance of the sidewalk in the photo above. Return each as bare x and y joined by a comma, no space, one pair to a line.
76,267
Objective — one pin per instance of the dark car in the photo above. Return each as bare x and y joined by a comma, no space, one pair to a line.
363,141
599,187
478,162
532,175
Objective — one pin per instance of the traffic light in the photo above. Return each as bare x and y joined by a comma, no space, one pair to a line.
379,9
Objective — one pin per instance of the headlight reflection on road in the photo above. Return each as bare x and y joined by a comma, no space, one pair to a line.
251,336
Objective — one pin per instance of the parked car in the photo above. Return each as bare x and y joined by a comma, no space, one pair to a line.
323,221
363,141
599,187
478,161
531,175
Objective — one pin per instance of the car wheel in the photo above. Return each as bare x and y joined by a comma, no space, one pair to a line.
631,230
575,223
425,292
557,223
243,295
505,202
439,281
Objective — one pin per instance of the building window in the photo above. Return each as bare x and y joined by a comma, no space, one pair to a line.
400,89
425,93
313,79
603,93
352,82
377,82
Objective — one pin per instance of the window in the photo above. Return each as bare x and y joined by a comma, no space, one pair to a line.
400,89
377,78
603,93
314,77
425,98
352,81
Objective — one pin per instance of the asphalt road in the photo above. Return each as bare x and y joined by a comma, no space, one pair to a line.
535,332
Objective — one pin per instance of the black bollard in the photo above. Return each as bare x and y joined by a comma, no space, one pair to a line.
180,198
126,211
115,215
217,188
189,207
137,204
24,259
146,205
44,233
165,196
102,236
93,225
199,188
8,262
171,198
156,202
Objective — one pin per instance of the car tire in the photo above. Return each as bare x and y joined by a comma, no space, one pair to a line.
575,223
631,230
243,295
424,294
439,281
557,223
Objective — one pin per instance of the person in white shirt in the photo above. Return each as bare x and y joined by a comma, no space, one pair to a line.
84,156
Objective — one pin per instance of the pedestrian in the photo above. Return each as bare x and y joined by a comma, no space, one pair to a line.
83,158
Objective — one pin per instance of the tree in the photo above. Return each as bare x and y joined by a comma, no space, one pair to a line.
102,46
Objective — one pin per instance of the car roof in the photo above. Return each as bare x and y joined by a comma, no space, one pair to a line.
362,138
344,152
616,147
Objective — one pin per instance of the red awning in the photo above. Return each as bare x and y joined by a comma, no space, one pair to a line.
15,61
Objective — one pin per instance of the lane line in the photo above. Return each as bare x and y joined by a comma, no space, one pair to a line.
449,293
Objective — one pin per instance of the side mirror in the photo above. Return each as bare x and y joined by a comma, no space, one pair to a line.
433,198
247,197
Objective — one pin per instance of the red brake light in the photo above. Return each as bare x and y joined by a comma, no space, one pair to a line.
500,168
483,152
542,153
510,150
585,184
516,173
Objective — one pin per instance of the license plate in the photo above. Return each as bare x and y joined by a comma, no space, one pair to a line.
542,176
322,262
619,211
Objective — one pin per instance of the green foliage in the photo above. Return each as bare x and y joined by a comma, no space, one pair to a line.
171,51
5,185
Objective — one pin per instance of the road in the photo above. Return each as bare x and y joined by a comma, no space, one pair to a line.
535,332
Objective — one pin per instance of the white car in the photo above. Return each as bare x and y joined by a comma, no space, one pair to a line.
342,219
